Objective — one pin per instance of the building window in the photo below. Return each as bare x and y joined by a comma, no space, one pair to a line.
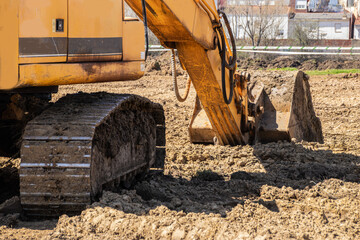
300,4
338,27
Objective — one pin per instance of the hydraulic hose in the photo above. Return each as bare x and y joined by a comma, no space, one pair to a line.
231,64
176,87
143,3
223,73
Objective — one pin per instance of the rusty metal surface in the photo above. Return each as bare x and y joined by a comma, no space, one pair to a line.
74,73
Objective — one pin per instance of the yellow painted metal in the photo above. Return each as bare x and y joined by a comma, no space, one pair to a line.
26,60
204,70
94,19
133,40
37,75
83,19
177,21
94,58
9,44
37,19
191,32
209,7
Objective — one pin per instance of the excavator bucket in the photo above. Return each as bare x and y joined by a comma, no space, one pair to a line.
288,113
284,113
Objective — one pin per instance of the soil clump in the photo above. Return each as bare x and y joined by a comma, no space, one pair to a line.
300,190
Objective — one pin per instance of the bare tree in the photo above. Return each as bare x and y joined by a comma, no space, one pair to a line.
303,32
260,21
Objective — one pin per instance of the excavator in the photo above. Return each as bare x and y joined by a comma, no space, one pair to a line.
73,149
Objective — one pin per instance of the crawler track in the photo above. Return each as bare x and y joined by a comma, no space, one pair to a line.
80,145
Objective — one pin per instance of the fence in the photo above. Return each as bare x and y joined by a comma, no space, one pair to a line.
286,50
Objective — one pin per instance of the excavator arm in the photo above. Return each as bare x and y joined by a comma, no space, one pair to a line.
225,108
194,32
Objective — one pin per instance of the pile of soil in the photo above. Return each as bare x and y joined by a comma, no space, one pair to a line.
313,63
267,191
160,63
9,178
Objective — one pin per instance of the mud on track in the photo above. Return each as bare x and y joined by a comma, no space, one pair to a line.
276,190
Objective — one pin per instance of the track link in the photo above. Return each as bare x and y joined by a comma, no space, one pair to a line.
83,143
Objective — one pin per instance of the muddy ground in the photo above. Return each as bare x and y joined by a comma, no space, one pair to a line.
161,65
266,191
299,62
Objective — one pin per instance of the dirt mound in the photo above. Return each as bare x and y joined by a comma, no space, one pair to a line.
310,65
301,63
160,64
329,64
276,213
267,191
283,62
9,178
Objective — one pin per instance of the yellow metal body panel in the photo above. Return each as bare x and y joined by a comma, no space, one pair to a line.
34,53
36,17
37,75
133,41
36,20
89,19
94,18
26,60
9,43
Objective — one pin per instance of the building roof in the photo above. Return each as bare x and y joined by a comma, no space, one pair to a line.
332,16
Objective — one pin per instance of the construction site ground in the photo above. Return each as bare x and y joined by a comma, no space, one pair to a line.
266,191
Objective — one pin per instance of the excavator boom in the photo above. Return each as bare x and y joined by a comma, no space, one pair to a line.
196,34
192,33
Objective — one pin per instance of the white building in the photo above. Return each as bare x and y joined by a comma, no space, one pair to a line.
357,30
301,4
273,13
331,26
